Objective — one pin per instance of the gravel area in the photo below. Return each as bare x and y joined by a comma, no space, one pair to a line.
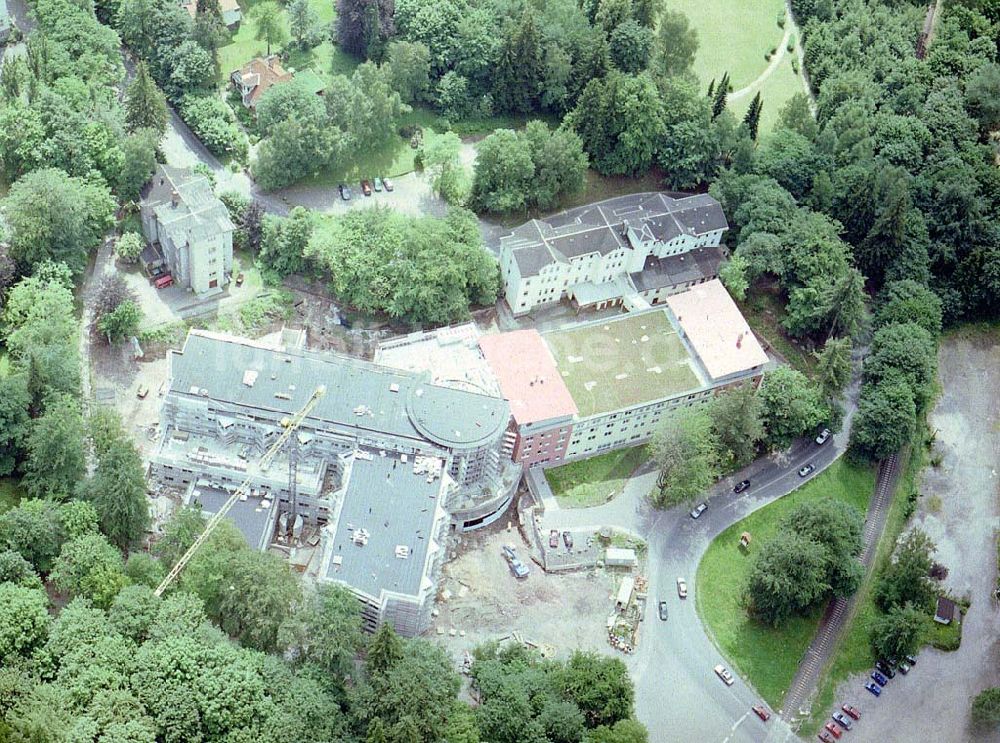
958,509
479,596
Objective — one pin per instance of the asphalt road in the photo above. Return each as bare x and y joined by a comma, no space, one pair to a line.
678,696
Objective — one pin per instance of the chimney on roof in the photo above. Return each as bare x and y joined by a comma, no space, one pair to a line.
175,198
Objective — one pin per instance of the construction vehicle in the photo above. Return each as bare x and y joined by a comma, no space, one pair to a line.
290,426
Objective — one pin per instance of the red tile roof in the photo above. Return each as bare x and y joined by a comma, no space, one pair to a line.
528,376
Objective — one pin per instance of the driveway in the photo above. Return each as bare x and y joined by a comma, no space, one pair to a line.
959,512
678,697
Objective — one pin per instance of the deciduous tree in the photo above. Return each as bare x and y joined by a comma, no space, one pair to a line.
686,449
897,633
787,576
270,24
792,406
675,46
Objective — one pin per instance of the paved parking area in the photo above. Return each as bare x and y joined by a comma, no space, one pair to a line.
959,510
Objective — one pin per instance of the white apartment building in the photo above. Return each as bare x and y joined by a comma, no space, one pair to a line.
648,244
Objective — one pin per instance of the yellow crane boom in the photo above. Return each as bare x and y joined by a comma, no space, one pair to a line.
290,425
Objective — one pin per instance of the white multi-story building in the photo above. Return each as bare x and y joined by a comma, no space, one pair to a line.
648,244
181,215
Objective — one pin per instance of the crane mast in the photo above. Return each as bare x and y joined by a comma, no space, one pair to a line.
290,425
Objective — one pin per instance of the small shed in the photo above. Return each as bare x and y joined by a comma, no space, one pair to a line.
624,594
946,611
745,540
620,558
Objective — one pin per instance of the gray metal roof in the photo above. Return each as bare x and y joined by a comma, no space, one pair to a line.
198,213
599,227
694,265
532,259
396,507
250,516
360,396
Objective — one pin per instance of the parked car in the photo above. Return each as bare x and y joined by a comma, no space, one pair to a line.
910,659
345,192
519,569
142,391
843,720
741,486
366,187
240,278
164,281
662,609
804,471
825,737
761,711
699,510
823,437
879,679
851,710
885,669
832,730
508,552
377,184
722,672
904,668
387,184
682,588
553,538
568,540
873,688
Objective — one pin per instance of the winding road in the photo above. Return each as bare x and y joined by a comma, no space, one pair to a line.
678,697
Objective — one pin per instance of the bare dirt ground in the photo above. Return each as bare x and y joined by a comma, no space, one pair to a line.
486,602
958,510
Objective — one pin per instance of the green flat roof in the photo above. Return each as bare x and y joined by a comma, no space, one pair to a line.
613,364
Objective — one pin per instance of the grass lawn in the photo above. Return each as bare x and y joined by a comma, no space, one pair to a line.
617,363
591,482
4,364
11,493
733,36
854,653
782,84
767,657
324,59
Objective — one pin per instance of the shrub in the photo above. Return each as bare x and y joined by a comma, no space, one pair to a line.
129,246
214,123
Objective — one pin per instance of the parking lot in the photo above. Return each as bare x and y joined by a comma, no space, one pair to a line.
958,510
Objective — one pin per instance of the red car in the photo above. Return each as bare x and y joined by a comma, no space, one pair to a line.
164,281
833,730
366,187
852,711
761,712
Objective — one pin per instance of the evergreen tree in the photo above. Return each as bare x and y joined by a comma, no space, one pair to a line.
145,105
118,492
711,89
752,119
385,650
721,92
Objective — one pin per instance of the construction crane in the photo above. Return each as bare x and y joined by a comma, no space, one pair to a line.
290,425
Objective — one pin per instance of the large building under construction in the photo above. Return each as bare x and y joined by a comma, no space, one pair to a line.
386,461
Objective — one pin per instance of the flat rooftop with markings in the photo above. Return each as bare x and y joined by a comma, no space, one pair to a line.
617,363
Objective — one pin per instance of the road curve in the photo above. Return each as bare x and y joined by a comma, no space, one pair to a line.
678,697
